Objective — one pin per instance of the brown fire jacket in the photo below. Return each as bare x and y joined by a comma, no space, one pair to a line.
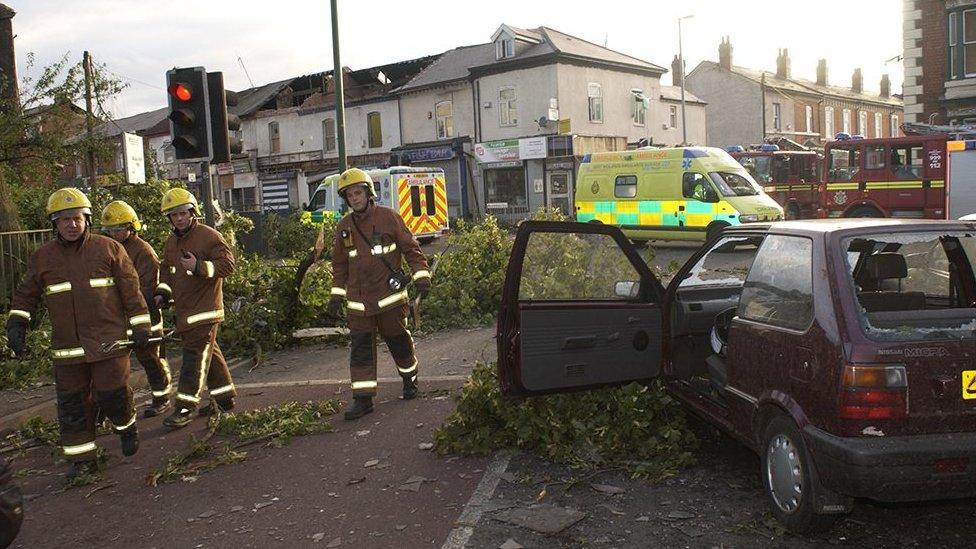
358,273
146,262
198,295
92,291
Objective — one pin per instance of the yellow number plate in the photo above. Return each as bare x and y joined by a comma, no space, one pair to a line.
969,384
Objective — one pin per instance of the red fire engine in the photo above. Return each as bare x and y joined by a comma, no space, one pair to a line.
790,177
890,177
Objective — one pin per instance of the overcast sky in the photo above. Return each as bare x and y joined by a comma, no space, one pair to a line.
139,40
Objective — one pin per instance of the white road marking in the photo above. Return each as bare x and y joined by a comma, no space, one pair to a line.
474,508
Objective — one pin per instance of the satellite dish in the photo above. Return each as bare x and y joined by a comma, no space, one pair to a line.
543,121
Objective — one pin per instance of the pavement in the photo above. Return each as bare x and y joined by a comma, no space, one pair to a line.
367,484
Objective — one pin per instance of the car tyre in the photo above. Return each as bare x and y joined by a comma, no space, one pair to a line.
790,481
865,211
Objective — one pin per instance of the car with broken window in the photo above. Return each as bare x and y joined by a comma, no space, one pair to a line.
843,352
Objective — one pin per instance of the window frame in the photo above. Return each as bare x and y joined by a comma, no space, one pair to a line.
617,185
845,121
640,107
878,126
374,135
274,137
328,143
672,116
507,108
829,132
504,47
777,116
893,123
862,122
594,102
808,113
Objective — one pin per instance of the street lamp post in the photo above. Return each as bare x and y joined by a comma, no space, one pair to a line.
681,69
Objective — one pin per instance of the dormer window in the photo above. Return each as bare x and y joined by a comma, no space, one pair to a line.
504,47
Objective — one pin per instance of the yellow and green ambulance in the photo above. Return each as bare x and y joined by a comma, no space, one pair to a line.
418,194
680,193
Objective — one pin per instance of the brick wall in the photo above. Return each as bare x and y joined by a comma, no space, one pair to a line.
934,59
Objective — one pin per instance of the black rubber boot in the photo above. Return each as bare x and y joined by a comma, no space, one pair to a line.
360,407
180,417
81,468
158,406
226,405
130,441
410,388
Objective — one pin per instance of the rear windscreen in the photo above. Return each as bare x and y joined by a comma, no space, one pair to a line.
914,286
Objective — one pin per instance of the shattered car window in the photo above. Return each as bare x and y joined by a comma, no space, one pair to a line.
914,286
727,264
574,267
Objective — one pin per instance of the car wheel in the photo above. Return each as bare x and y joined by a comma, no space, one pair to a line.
791,483
865,211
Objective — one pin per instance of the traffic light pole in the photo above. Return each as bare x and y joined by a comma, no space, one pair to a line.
339,94
208,211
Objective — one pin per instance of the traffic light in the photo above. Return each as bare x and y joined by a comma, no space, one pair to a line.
225,144
189,113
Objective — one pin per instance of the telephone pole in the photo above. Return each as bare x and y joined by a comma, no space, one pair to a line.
339,94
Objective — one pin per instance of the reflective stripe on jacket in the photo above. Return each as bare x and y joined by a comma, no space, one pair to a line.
92,291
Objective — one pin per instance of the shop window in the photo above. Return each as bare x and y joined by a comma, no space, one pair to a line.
506,186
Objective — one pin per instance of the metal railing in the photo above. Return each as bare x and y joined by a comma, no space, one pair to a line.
15,250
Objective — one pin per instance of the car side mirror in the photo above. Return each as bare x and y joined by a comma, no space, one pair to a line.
626,288
305,207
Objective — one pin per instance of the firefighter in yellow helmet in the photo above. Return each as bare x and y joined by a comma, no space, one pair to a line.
120,222
367,257
195,262
91,289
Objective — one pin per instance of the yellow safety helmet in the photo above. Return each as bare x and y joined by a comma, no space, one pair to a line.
68,198
353,177
176,198
119,213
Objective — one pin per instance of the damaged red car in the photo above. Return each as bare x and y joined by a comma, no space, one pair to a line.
843,352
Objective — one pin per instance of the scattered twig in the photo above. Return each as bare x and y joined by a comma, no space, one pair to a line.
256,440
102,487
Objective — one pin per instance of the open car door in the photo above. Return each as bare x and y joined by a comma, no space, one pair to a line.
580,309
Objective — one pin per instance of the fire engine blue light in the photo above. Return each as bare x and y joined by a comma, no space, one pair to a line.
769,147
842,136
734,149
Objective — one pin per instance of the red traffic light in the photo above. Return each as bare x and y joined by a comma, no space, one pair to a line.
180,91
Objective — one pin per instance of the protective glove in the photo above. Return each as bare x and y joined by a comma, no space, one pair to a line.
423,287
17,335
334,308
140,339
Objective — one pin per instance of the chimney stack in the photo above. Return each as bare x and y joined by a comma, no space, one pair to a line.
676,71
885,86
783,64
725,53
8,62
857,81
822,72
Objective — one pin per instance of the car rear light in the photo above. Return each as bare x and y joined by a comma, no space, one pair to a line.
874,392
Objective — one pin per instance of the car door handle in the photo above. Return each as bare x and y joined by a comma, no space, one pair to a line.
579,342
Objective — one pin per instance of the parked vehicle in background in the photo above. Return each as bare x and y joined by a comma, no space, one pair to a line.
790,177
419,194
680,193
902,177
843,352
961,179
